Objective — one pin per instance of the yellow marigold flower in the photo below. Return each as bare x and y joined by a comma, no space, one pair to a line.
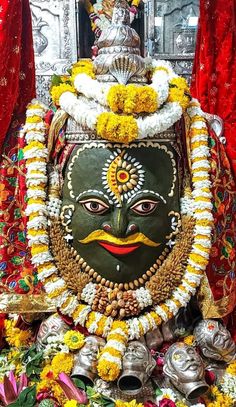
189,340
132,99
15,336
74,340
71,403
58,393
62,362
44,384
108,371
180,404
34,144
232,368
112,127
57,91
179,91
47,373
33,119
133,403
83,66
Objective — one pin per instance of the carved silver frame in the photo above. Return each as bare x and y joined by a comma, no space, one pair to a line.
55,44
160,41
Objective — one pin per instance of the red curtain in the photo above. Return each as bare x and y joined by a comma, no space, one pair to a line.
17,70
17,88
214,84
214,73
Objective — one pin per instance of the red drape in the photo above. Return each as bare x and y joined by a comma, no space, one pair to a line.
17,71
17,88
214,73
214,84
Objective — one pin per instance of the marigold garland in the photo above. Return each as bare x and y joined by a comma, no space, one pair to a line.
117,128
130,99
57,91
56,287
109,363
179,92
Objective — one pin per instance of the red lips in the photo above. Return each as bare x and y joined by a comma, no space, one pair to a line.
119,250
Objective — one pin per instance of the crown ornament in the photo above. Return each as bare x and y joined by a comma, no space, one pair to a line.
119,58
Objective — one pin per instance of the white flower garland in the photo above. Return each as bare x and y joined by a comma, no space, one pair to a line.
86,109
55,286
44,258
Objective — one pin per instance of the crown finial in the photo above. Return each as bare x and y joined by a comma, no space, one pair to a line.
121,13
119,56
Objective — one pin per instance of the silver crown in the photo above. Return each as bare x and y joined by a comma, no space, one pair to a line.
119,58
77,134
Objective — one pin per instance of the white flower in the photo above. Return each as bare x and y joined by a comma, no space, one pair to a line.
166,393
228,385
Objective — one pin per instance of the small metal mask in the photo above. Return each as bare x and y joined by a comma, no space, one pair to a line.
52,326
215,341
86,360
138,365
185,368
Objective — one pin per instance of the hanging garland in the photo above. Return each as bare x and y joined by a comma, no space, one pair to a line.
56,287
98,105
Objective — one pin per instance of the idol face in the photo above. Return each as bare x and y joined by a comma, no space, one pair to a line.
122,203
215,341
87,356
186,364
51,327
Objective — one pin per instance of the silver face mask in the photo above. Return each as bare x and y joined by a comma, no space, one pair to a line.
215,341
185,369
86,360
138,365
52,326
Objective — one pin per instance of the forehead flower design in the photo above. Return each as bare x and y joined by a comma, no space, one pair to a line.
122,176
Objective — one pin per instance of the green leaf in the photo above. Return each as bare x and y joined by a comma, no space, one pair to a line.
158,391
26,398
79,383
2,224
33,360
56,80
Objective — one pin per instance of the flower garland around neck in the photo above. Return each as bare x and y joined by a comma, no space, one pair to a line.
122,113
117,332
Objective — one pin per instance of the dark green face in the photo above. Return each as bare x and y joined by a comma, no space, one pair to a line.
124,199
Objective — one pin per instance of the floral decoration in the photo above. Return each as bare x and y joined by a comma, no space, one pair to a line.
200,208
37,378
74,340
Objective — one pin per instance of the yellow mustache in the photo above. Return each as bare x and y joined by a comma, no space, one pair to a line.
133,239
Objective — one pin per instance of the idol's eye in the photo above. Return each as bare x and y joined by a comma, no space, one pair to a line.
144,207
95,206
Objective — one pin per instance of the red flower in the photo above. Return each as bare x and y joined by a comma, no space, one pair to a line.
210,377
149,404
167,403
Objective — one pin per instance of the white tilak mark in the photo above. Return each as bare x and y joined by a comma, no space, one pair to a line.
118,267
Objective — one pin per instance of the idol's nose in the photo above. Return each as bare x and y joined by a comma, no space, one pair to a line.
119,224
